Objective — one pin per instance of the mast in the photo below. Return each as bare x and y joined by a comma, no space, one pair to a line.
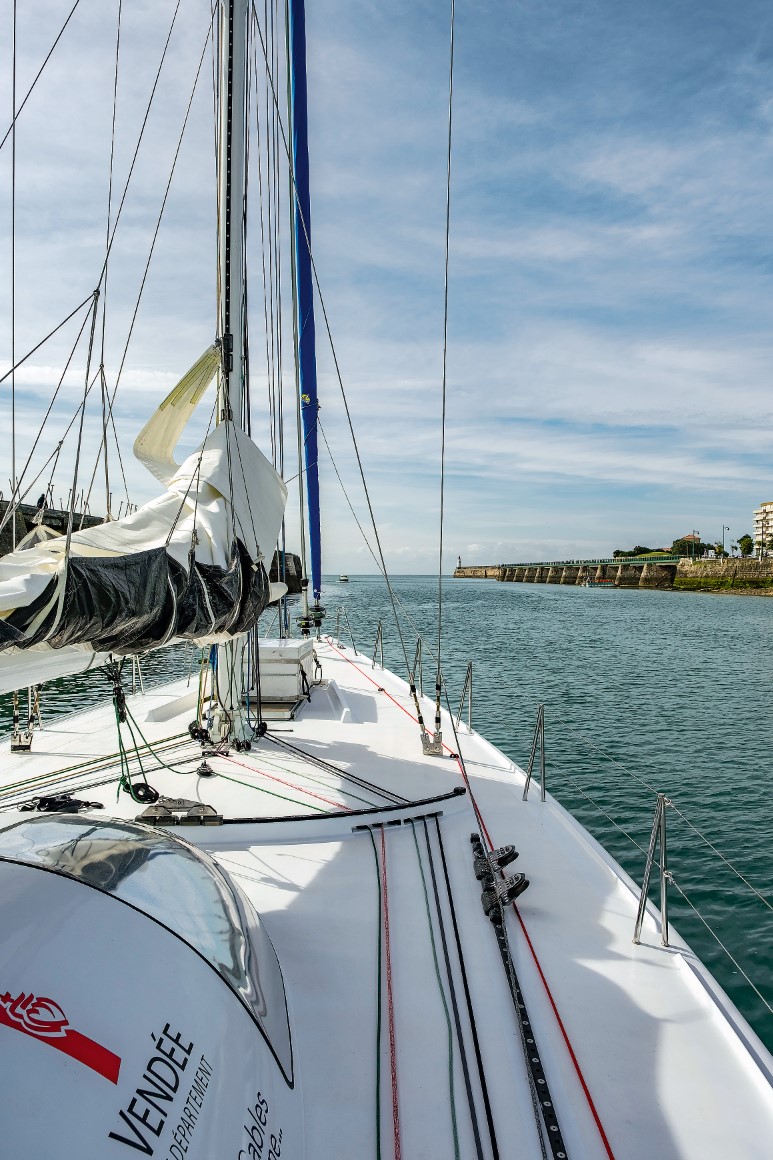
232,196
306,352
231,721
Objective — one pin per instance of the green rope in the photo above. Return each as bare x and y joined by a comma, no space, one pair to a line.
131,720
125,779
271,793
92,764
378,1004
442,997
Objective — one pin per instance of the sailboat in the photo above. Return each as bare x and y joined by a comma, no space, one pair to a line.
271,913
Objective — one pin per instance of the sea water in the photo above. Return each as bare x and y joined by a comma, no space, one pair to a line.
643,691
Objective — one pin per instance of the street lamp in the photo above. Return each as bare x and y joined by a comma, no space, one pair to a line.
725,528
694,534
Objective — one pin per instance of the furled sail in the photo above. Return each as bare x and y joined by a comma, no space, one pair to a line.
188,565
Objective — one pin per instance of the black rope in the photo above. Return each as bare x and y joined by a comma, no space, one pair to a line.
395,798
468,998
454,1003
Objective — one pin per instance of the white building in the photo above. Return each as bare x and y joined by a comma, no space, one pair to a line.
763,528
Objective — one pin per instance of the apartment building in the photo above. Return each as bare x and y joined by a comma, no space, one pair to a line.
763,528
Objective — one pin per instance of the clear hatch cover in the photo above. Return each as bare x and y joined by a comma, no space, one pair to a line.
178,886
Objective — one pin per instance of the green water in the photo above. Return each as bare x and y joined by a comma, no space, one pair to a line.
672,688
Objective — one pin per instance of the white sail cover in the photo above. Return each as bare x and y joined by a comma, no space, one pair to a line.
187,565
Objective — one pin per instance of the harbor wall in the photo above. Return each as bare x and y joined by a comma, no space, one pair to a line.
736,575
731,575
24,517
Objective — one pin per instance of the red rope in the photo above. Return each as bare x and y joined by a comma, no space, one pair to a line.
390,999
573,1057
479,816
297,788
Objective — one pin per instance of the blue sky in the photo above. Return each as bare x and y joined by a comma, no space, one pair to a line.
611,305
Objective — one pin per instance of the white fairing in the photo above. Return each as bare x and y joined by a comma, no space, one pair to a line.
118,1039
225,489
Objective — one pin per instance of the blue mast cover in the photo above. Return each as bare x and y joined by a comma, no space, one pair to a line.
307,360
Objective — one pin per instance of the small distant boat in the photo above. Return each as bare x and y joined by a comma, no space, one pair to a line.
343,578
598,584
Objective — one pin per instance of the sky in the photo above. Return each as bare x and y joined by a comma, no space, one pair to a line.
610,338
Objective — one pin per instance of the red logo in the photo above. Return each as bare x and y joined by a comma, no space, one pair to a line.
43,1019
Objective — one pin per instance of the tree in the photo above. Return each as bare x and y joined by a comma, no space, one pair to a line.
745,545
719,549
688,547
639,550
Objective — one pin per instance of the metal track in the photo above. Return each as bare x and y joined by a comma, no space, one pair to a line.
542,1099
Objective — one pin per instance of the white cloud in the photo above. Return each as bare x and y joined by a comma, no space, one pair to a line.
611,246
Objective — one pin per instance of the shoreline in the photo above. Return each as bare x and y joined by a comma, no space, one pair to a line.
733,576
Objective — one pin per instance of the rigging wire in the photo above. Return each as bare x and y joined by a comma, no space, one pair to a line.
15,366
103,380
277,289
333,351
17,497
216,139
139,140
17,112
294,288
266,284
445,367
13,266
86,390
135,312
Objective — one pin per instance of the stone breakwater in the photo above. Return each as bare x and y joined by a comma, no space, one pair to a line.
732,575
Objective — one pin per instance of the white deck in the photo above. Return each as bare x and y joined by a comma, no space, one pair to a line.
641,1048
